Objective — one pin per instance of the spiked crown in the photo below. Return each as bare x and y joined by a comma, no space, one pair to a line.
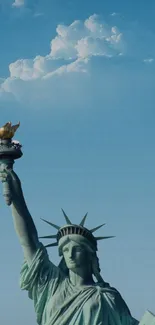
72,229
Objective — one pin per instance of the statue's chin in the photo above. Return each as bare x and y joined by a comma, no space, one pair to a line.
72,265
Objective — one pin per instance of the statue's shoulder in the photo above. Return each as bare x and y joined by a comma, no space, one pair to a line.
116,297
120,302
106,286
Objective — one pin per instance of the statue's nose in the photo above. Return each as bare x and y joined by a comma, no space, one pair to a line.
70,253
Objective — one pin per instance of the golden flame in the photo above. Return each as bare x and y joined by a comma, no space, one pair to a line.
7,131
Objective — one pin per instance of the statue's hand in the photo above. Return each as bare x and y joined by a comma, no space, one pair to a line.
10,177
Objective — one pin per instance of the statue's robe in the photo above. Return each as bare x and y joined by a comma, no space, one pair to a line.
58,302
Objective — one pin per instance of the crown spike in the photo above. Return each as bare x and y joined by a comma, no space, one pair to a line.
104,237
52,245
66,217
51,224
83,220
51,236
96,228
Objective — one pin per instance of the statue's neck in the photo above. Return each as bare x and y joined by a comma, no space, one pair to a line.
80,277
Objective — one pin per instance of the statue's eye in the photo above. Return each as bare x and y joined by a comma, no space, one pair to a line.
78,249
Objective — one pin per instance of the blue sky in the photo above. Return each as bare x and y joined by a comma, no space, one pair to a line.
80,78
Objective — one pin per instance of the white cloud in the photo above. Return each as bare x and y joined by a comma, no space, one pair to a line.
71,52
93,37
149,60
1,80
38,14
77,66
18,3
76,42
113,14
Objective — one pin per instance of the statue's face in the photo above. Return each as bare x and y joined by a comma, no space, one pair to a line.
75,255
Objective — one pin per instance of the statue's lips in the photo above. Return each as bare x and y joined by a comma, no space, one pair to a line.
71,262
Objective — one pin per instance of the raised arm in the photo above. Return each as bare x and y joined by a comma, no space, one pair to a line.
23,222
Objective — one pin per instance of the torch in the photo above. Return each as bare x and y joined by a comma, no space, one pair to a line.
9,151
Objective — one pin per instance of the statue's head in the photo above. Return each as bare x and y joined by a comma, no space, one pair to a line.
76,250
78,246
76,253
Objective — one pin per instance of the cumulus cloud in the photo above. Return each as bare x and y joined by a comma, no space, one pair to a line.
26,7
71,52
73,45
18,3
91,38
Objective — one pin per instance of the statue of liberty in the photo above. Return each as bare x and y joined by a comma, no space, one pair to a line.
74,292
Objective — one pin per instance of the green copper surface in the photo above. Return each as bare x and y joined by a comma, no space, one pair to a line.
73,293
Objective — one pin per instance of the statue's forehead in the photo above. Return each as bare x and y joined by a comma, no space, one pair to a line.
71,243
77,240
